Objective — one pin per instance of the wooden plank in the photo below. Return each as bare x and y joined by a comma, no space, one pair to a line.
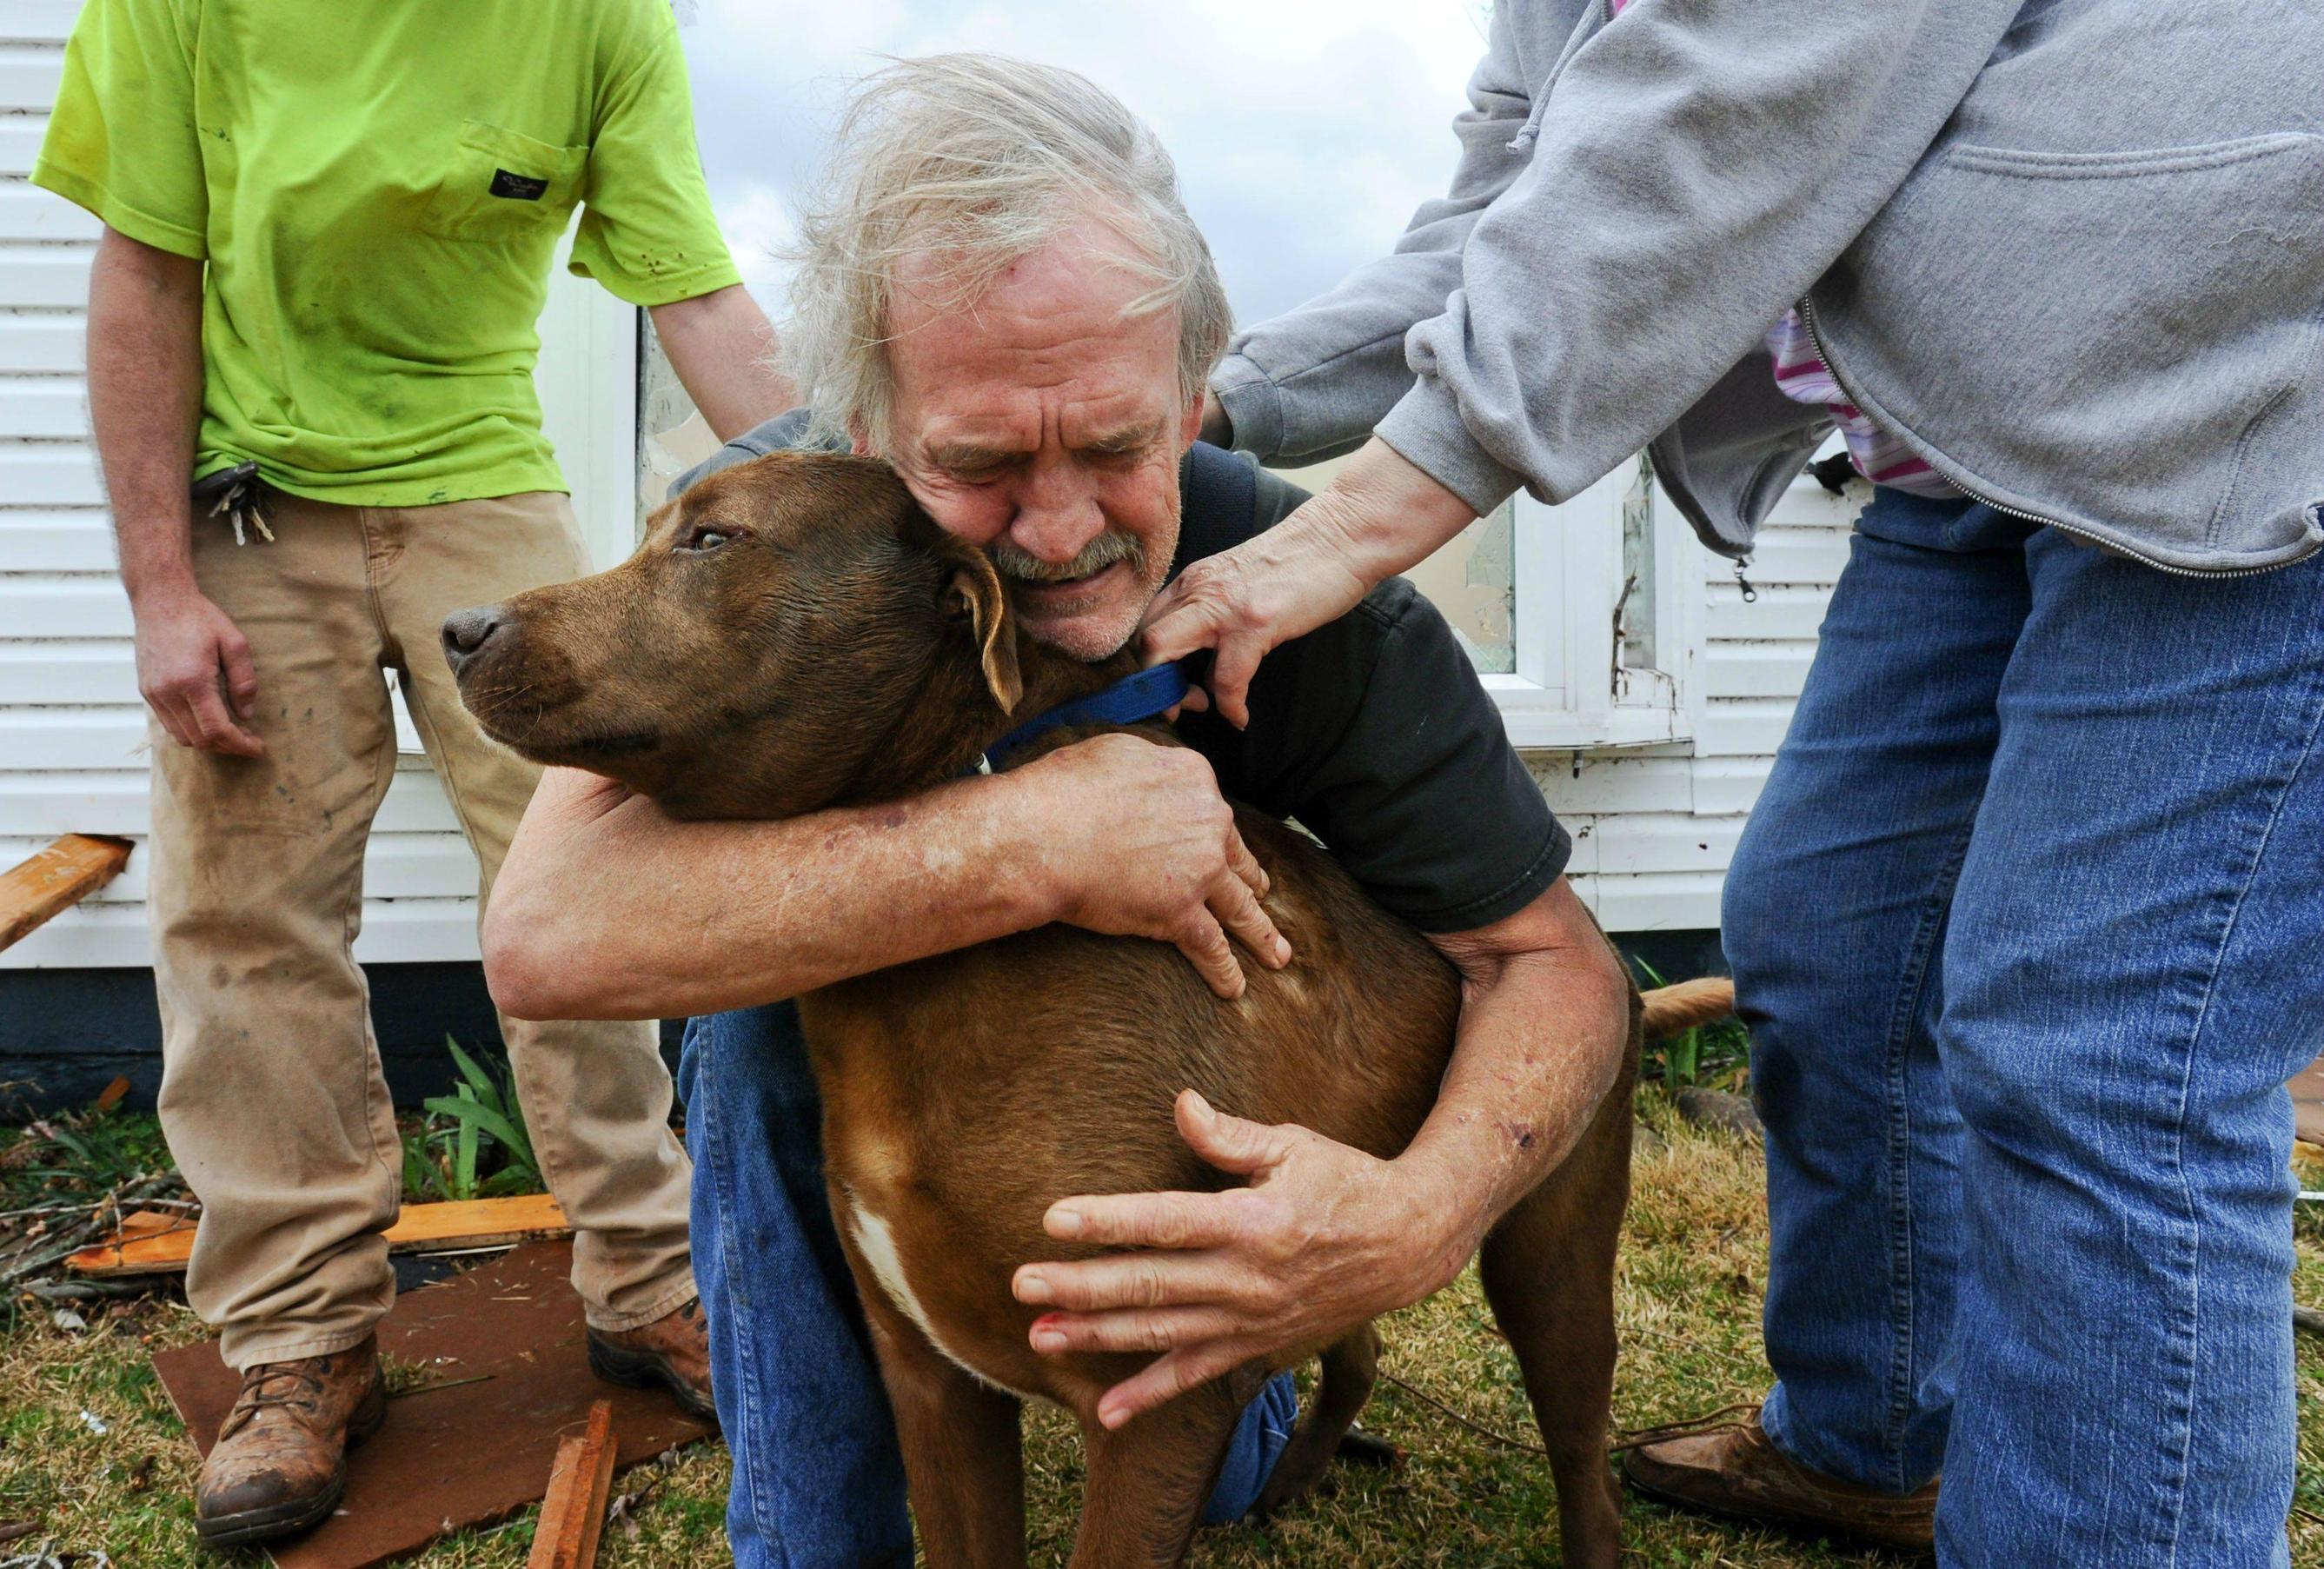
20,143
1729,786
115,937
52,276
44,407
48,474
572,1513
45,804
1668,901
151,1243
63,606
1778,613
66,540
77,674
42,21
1787,556
1757,670
1611,784
29,74
55,879
1743,727
51,344
30,213
430,865
1646,843
474,1446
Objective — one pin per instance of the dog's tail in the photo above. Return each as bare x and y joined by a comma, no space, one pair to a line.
1670,1010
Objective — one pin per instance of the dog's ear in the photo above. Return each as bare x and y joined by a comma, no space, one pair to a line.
973,594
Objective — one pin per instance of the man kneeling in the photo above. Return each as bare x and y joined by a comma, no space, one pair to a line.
1004,298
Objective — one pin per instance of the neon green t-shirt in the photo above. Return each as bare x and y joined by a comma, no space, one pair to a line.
378,187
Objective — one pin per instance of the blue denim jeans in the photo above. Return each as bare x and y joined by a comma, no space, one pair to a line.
2026,928
818,1479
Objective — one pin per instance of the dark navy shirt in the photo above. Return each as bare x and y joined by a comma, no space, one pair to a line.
1372,731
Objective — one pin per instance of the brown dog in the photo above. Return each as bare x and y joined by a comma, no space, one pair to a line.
795,634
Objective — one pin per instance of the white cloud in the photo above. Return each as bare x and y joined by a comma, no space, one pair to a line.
1305,131
758,225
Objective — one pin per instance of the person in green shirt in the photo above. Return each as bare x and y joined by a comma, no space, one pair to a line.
329,234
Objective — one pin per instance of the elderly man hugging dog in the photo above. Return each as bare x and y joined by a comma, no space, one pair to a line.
1002,295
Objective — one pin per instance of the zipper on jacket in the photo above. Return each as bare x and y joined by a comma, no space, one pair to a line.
1815,335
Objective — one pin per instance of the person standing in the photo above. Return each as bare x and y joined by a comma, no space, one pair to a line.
2025,923
328,232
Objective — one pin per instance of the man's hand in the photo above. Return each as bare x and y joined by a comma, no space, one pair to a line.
1140,844
1324,1237
194,669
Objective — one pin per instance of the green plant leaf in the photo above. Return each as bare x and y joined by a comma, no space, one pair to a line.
470,1071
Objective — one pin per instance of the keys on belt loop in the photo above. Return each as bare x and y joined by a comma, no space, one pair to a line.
236,495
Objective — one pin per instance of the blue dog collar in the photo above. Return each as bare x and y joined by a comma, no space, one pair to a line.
1126,702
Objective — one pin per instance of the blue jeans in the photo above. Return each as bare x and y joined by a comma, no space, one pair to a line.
818,1479
2026,928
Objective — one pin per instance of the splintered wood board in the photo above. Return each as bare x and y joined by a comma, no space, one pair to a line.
153,1243
55,879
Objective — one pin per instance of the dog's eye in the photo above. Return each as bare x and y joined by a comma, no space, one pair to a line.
704,539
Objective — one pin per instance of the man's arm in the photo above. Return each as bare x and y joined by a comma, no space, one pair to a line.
1325,1236
723,348
606,909
145,399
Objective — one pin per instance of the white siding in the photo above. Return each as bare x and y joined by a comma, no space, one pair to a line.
1654,828
72,731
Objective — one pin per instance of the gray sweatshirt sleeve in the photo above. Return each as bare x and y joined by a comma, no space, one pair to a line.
1699,165
1313,381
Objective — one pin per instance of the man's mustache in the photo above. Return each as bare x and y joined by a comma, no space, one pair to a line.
1100,553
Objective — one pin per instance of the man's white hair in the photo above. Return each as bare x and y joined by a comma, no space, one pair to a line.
972,162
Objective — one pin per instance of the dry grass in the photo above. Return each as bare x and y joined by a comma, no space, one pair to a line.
1693,1268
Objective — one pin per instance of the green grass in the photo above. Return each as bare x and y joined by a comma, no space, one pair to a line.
1694,1269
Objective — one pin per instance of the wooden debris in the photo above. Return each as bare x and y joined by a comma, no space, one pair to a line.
573,1514
509,1356
151,1242
55,879
2308,1319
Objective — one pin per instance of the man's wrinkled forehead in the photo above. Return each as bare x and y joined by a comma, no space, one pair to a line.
981,443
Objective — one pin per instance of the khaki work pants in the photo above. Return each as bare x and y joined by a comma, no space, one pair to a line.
272,1092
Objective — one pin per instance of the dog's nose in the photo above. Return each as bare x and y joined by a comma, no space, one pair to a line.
467,631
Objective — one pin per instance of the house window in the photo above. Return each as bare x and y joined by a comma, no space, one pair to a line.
1575,614
1605,632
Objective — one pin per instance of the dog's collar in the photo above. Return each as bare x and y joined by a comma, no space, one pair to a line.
1126,702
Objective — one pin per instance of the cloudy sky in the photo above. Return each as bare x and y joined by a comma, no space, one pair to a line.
1305,131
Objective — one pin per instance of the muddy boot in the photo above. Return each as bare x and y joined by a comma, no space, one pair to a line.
279,1462
1734,1471
673,1350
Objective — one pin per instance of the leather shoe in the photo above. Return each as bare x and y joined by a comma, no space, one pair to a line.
280,1461
673,1350
1734,1470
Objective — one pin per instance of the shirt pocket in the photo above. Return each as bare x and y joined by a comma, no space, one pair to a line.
503,185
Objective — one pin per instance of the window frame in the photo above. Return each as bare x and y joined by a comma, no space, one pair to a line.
1568,557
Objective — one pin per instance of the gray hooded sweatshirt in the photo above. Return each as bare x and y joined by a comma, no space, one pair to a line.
2071,251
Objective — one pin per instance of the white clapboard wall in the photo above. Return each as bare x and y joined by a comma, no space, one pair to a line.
72,730
1654,828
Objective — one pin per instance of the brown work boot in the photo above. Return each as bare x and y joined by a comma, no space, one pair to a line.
673,1350
279,1462
1735,1470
